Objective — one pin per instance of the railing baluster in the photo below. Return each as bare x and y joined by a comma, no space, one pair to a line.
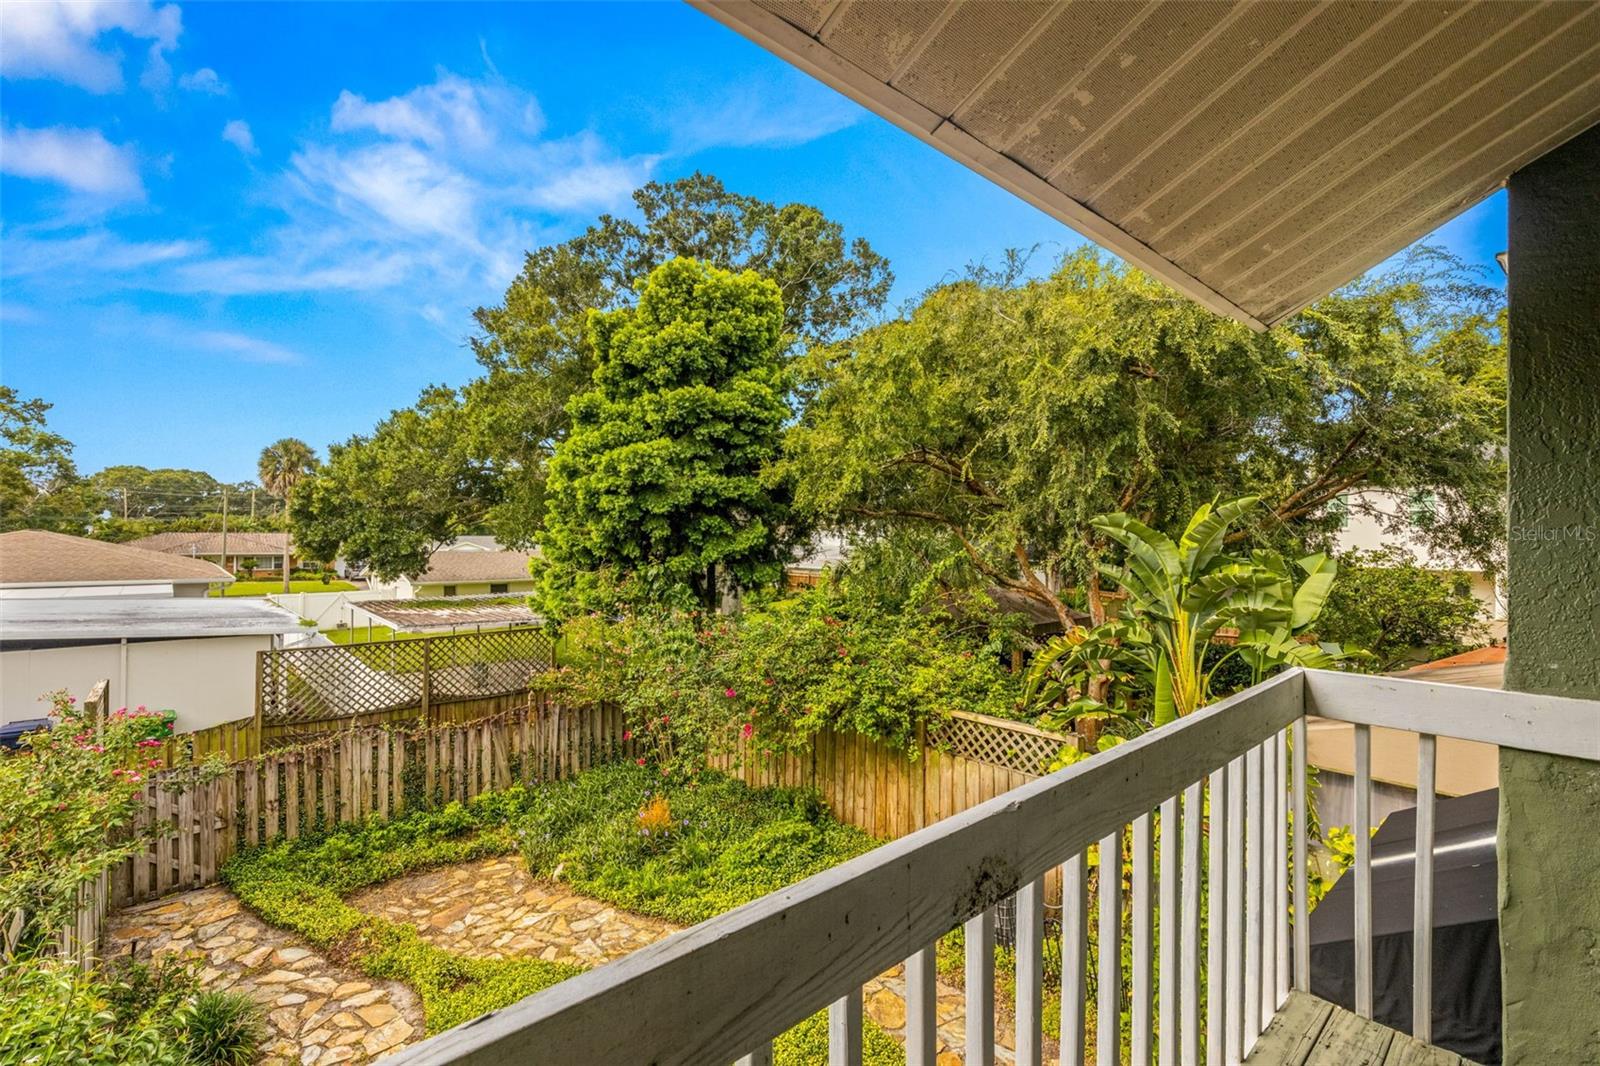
980,989
1302,889
1363,871
844,1030
1074,950
1029,912
1422,907
1217,922
1108,1003
922,1008
1255,861
1233,1051
1167,969
1280,870
761,1056
1140,1007
1189,939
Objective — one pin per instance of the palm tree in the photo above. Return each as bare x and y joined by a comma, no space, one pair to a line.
282,466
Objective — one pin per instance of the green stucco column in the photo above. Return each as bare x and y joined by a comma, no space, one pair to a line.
1550,807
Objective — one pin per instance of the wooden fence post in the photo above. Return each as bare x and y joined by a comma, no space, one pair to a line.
427,680
263,665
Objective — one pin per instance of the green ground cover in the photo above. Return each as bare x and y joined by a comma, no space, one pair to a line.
243,587
694,849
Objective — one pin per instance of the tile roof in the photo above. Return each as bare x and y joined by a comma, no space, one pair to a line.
35,557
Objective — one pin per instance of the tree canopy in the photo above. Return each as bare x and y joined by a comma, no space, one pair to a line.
536,348
389,500
39,483
1002,414
662,481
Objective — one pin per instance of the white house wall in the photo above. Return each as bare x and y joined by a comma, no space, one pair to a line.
207,681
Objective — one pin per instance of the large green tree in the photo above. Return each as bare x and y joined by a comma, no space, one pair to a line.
1003,414
536,348
663,481
1401,612
389,500
39,484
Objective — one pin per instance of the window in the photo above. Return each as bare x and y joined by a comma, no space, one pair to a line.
498,588
449,590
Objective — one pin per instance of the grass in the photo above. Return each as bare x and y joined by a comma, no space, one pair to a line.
263,588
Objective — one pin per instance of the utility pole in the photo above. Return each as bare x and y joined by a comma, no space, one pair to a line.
124,503
252,507
225,529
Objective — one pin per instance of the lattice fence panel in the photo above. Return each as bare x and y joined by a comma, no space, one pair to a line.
1017,746
301,685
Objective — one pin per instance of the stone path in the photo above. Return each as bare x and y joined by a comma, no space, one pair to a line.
317,1012
493,908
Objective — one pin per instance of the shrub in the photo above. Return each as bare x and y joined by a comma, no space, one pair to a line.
827,658
223,1029
59,809
54,1014
728,844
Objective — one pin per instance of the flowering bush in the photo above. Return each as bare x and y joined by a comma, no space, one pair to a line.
688,684
66,803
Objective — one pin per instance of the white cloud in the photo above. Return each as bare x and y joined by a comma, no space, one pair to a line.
62,40
237,133
97,252
205,80
777,113
82,160
245,347
453,111
397,183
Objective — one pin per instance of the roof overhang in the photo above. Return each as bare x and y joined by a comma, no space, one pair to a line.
1253,156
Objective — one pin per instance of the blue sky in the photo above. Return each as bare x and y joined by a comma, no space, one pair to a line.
221,224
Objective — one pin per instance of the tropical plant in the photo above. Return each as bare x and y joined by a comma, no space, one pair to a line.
224,1028
283,464
1182,597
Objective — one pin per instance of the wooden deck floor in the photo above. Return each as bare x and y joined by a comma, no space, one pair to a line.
1313,1032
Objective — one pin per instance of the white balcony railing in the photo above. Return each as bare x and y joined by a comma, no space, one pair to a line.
726,988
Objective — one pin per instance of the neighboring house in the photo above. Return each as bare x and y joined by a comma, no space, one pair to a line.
194,656
35,564
257,553
474,542
1364,517
466,572
827,550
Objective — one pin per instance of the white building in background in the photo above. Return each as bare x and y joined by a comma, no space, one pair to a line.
190,655
35,564
1364,515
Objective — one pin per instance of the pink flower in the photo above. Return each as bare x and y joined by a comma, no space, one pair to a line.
730,693
627,734
640,761
767,681
140,708
155,762
747,731
664,719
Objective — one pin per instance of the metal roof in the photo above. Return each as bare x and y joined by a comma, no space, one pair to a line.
1253,155
82,619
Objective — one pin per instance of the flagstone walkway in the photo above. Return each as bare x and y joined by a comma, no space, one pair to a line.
493,908
317,1012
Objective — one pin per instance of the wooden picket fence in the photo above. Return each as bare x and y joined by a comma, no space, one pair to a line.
346,777
79,941
888,792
